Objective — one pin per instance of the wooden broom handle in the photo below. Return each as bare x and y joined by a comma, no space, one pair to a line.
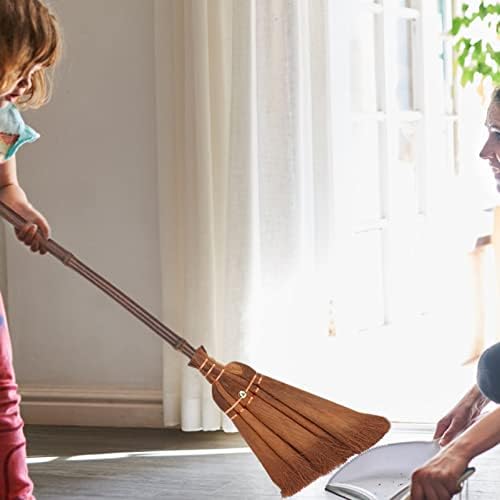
68,259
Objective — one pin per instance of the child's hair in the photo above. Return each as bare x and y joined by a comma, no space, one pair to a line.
29,35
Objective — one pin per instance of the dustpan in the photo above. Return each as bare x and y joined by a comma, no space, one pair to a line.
384,472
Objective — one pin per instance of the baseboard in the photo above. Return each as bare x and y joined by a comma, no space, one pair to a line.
91,407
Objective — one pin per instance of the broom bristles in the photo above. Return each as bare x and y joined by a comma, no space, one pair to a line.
358,431
307,444
289,476
297,436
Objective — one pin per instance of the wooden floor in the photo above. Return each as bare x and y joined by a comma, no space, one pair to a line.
94,463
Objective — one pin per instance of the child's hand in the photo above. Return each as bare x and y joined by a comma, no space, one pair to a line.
13,196
28,233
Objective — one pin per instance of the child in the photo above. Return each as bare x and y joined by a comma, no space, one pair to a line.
29,44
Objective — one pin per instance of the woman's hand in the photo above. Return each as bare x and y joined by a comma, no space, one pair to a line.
462,416
438,479
14,197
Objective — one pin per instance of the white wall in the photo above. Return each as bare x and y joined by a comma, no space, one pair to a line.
93,175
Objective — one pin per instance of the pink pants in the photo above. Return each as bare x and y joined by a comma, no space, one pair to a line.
15,483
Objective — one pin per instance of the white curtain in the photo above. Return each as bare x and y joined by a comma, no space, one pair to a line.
245,188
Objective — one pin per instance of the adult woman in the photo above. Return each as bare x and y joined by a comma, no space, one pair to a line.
437,479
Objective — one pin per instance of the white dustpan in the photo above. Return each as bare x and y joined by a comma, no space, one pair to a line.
383,472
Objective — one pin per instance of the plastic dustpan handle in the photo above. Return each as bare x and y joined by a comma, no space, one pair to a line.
467,473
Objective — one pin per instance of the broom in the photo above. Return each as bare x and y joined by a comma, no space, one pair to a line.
297,436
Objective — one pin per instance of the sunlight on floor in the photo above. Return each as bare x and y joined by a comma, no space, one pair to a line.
41,460
145,454
158,454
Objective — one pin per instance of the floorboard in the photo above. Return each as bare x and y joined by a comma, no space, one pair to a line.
96,463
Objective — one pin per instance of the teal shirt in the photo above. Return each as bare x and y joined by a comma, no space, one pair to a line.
13,132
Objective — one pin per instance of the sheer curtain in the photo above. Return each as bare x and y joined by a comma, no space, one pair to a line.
245,188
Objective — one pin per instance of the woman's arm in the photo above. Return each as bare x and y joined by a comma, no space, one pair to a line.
464,414
438,478
480,437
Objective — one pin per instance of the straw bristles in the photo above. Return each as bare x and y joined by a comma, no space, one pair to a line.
297,436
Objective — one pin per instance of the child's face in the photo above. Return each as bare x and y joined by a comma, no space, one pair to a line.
20,87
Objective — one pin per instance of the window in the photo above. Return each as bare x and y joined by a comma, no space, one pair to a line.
402,116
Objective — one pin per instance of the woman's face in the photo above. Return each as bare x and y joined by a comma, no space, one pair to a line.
491,148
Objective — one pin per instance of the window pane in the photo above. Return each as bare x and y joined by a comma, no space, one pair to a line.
406,41
366,171
364,61
408,267
424,259
368,280
405,177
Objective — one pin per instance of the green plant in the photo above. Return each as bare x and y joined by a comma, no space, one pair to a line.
477,35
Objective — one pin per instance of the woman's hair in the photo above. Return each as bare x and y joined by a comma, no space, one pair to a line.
495,97
29,35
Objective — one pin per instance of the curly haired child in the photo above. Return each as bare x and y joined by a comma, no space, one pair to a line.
30,43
